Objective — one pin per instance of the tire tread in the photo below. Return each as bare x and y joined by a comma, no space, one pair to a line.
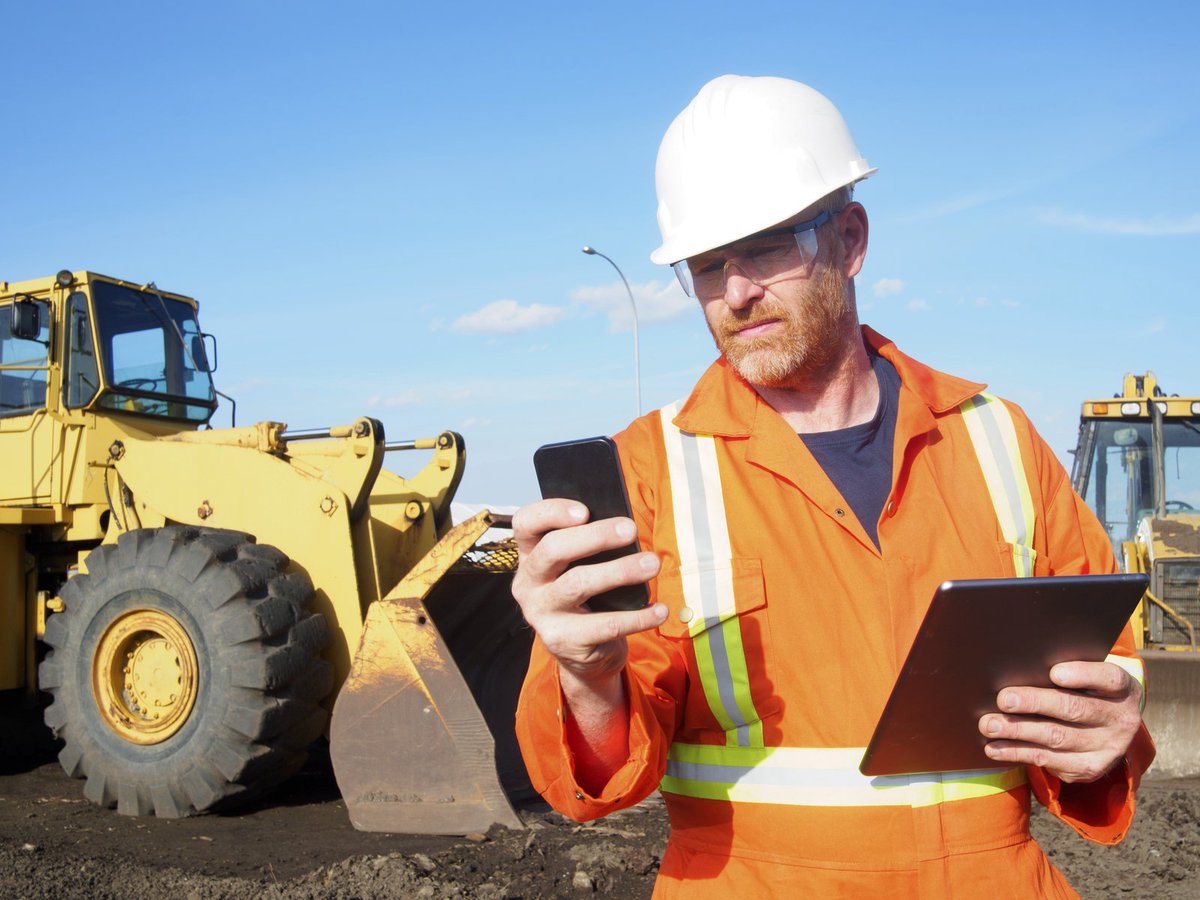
261,641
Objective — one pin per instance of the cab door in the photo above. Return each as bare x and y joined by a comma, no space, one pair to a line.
26,431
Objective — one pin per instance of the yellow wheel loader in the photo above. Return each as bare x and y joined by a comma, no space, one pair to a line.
195,600
1137,465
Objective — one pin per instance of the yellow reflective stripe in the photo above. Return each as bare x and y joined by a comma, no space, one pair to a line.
1134,667
731,630
801,776
718,628
690,554
702,538
990,425
708,680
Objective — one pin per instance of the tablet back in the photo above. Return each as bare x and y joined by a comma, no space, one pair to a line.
978,637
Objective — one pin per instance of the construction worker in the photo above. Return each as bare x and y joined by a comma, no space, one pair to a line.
796,513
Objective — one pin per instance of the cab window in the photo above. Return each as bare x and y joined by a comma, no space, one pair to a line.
23,365
82,378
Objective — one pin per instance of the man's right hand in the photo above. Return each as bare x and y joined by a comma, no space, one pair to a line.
590,646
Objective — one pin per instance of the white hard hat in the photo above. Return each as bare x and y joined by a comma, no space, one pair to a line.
746,154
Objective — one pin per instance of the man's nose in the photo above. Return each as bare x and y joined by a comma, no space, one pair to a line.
740,289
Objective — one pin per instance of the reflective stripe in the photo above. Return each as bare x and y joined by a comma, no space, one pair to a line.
799,776
992,432
702,537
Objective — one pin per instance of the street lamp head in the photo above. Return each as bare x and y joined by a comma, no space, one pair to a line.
588,250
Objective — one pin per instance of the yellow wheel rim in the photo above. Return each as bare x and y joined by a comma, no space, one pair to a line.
144,676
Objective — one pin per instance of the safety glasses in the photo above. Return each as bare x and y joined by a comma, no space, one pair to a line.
765,258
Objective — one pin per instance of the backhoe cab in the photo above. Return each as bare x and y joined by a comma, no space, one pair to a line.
1137,465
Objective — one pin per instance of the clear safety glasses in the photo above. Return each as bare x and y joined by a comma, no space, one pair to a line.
766,258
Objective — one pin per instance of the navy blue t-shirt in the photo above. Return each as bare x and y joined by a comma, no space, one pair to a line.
858,460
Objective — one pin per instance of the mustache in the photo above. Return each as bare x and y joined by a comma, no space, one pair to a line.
743,319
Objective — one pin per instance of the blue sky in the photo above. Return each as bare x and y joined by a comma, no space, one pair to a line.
380,206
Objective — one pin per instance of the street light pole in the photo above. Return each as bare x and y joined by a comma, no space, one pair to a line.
637,364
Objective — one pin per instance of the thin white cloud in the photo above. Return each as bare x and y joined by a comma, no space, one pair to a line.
508,317
918,306
987,303
246,386
1154,326
390,401
1156,226
964,202
655,301
887,287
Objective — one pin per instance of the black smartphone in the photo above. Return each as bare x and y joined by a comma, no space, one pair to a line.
589,471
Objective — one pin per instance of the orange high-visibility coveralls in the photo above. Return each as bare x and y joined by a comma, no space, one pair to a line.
824,621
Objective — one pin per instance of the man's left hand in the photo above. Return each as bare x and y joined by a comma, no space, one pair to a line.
1077,730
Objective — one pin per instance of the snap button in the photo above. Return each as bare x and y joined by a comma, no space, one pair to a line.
891,507
686,614
578,795
839,512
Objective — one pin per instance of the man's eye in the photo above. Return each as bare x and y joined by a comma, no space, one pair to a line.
770,251
704,269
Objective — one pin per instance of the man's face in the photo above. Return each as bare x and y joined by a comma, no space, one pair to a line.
776,335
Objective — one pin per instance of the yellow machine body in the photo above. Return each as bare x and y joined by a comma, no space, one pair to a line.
92,452
1137,464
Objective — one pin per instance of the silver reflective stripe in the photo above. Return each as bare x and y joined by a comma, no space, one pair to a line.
706,575
994,437
802,776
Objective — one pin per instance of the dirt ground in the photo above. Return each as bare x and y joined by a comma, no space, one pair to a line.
299,844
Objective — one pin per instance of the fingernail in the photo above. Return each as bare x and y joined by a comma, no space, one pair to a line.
648,562
1008,702
626,530
993,726
578,513
660,611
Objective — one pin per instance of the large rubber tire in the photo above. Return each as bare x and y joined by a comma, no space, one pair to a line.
250,650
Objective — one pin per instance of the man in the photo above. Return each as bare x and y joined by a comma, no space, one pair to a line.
796,513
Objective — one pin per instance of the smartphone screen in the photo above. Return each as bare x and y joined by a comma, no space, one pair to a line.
589,471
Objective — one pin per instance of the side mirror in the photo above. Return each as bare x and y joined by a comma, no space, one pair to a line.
204,352
26,319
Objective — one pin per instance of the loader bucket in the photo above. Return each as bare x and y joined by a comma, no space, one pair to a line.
422,738
1172,711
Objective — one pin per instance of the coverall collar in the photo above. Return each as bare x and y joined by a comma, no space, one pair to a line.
723,404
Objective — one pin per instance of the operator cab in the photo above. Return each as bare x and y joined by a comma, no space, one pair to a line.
1138,456
136,350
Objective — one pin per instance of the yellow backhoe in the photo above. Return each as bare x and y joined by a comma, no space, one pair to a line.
195,600
1137,464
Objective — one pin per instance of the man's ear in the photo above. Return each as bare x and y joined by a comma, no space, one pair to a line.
853,227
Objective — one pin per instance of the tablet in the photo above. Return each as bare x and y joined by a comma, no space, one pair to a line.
980,636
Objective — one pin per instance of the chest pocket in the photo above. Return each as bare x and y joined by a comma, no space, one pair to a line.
719,610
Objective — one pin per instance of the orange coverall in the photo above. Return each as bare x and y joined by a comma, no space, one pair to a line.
826,619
